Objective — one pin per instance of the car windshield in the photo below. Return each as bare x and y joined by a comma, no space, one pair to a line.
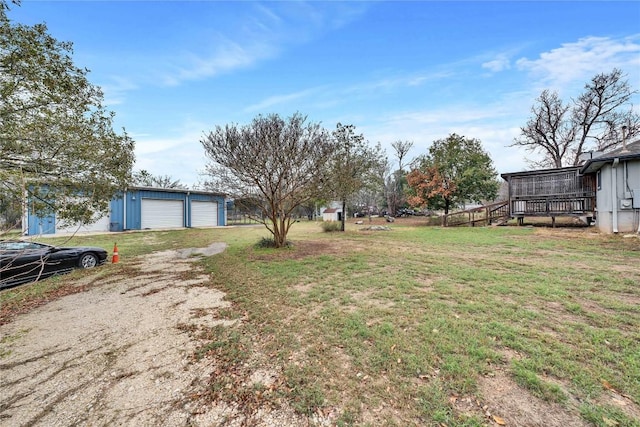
20,246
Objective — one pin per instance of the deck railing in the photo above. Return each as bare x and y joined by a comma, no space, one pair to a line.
558,192
480,216
553,206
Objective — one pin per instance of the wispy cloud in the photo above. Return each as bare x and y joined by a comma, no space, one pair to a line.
326,96
282,99
262,33
501,63
227,56
180,155
116,89
581,60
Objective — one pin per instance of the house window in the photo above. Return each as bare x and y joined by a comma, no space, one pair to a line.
599,180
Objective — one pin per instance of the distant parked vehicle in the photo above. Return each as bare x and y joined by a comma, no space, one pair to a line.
405,212
23,262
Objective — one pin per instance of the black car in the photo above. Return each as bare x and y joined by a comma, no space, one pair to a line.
22,261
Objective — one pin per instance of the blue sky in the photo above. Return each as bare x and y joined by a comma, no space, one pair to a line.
417,70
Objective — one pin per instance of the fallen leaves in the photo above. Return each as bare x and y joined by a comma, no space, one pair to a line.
499,420
607,385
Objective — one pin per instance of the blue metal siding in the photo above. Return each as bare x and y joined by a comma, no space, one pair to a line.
116,222
126,210
132,210
207,198
41,225
136,204
222,211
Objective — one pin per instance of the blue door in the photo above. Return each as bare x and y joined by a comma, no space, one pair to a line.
42,225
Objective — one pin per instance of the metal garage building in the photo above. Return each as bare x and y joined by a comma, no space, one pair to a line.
155,208
143,208
34,225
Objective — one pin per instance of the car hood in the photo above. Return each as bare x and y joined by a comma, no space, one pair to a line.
80,249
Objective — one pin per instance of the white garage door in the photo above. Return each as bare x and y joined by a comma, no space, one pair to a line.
101,224
204,214
162,213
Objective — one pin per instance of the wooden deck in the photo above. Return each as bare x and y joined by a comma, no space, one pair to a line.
551,193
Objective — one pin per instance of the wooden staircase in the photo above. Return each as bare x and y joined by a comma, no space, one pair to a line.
493,214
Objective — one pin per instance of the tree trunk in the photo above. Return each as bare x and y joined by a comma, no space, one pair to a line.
344,214
278,232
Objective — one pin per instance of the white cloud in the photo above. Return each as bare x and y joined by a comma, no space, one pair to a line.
326,97
228,56
581,60
281,99
494,124
261,33
501,63
116,88
180,156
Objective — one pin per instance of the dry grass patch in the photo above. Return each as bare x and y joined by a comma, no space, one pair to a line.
515,406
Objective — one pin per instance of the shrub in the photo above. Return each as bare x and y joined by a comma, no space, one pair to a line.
329,226
269,242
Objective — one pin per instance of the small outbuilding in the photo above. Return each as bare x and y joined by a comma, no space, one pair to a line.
332,214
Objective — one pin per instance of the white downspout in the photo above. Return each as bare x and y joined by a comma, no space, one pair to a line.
124,211
614,195
187,208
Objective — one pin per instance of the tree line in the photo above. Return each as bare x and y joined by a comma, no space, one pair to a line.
274,165
59,151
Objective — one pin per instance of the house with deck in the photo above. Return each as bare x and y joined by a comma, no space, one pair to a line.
551,193
605,188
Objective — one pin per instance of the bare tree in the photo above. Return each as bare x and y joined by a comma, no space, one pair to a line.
593,121
401,149
278,162
396,181
354,165
145,179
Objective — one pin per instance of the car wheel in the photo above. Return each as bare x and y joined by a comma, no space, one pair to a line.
88,261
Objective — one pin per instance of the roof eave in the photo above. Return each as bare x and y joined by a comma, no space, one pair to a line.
593,165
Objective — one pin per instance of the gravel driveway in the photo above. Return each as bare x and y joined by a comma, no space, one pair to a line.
117,354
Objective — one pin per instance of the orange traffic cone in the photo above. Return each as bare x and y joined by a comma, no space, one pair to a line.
115,257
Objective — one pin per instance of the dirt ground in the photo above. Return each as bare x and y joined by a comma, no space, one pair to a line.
118,353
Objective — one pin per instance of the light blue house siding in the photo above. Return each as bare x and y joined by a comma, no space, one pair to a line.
618,189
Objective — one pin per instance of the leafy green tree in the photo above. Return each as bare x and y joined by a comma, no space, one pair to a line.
57,143
10,210
354,166
278,162
456,170
594,121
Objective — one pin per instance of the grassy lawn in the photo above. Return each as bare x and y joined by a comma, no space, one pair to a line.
419,325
